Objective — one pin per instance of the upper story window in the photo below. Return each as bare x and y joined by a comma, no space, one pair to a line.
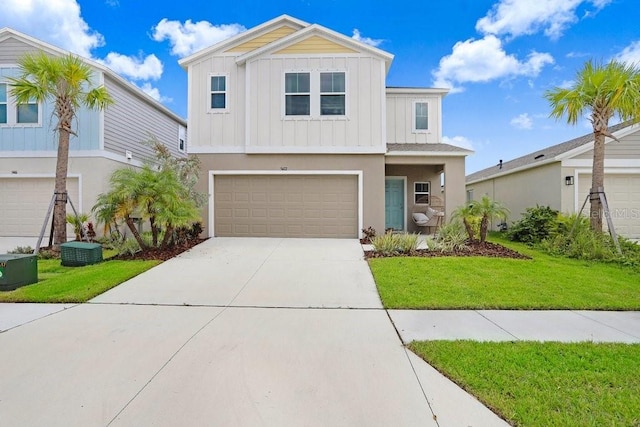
421,119
12,114
3,103
297,93
332,94
315,94
218,92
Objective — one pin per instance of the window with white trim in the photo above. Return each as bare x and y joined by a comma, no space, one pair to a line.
315,94
421,192
3,103
13,114
332,94
218,90
182,138
421,116
297,94
470,195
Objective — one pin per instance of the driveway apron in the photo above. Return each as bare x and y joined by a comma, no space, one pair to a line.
239,332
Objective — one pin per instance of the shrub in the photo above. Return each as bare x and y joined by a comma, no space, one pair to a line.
450,237
369,233
21,250
390,244
537,224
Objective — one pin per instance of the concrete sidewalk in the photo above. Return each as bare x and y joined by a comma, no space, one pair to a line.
508,325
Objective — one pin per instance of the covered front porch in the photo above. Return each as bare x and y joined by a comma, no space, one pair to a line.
422,178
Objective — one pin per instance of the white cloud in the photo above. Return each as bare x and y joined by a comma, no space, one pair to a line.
112,3
630,54
482,61
153,92
192,36
458,141
522,121
524,17
566,84
366,40
136,68
57,22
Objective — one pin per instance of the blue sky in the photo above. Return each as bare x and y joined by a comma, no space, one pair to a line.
498,57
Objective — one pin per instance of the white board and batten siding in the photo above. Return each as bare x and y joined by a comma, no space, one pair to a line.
361,129
401,116
208,127
132,119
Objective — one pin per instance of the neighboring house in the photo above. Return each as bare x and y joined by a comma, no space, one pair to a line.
560,177
106,140
298,136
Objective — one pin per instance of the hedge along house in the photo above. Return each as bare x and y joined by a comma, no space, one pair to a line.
560,177
106,140
299,137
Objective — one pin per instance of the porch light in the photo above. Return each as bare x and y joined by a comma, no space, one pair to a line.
568,180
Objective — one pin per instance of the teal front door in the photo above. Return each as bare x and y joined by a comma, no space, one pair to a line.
394,203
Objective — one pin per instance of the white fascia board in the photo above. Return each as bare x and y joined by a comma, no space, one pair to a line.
429,153
313,150
242,37
217,149
88,154
419,91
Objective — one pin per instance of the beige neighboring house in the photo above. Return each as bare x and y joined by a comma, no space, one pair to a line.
106,140
560,177
299,136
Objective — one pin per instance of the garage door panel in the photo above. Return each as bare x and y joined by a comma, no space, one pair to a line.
623,197
286,206
25,202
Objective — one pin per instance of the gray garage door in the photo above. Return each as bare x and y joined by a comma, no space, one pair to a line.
24,203
286,206
623,195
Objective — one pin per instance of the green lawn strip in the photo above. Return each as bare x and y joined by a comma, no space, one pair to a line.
58,284
545,384
543,282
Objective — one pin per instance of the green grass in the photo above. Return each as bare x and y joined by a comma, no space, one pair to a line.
58,284
543,282
545,384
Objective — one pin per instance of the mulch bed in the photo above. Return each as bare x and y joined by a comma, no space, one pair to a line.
161,254
486,249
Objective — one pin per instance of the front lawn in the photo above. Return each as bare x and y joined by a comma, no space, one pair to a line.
545,384
58,284
543,282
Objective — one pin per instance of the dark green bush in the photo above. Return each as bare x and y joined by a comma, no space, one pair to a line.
537,224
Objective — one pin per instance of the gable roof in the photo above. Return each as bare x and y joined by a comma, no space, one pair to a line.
6,33
266,27
302,31
555,153
316,30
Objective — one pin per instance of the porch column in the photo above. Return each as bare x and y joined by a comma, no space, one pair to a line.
454,184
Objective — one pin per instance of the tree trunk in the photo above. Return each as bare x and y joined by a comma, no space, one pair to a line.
484,227
134,231
168,234
597,175
469,229
60,206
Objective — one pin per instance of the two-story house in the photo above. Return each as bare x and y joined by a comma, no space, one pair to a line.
106,140
299,136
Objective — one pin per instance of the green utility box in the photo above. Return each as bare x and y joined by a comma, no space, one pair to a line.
75,254
17,270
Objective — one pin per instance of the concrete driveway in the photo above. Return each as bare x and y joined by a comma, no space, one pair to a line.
242,332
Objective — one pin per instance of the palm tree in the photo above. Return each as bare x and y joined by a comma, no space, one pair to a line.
606,90
488,210
66,81
467,214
